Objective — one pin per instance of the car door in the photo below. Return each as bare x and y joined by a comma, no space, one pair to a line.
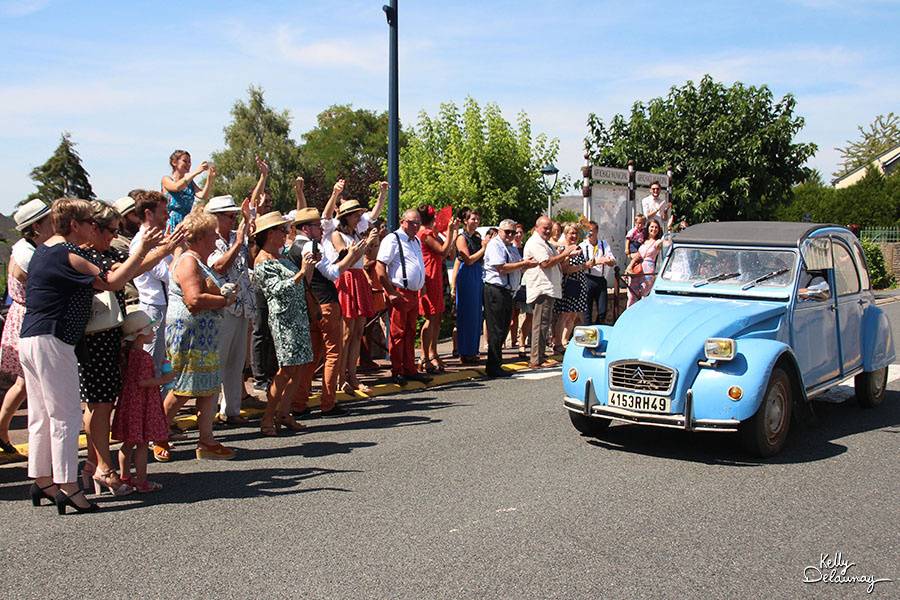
814,332
850,306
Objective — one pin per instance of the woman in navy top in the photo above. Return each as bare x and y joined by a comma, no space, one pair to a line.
59,292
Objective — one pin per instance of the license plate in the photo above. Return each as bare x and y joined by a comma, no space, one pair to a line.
642,402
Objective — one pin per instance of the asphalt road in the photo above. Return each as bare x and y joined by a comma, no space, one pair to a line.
482,490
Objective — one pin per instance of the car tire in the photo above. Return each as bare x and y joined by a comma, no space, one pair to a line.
870,386
592,426
765,433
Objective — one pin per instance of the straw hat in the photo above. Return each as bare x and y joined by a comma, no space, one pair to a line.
124,205
269,220
136,323
31,212
222,204
350,206
307,215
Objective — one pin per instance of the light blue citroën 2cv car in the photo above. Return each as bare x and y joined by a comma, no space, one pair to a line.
746,323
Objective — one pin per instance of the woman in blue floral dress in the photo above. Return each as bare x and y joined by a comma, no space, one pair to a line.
284,287
192,331
180,188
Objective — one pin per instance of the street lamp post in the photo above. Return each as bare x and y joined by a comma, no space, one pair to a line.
549,171
393,122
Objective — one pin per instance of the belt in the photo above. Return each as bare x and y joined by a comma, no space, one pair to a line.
595,277
499,287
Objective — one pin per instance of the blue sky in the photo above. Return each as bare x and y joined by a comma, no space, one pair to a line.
134,80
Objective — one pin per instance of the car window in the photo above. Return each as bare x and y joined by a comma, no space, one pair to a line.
845,275
861,261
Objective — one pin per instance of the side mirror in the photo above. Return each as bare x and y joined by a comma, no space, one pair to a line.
818,292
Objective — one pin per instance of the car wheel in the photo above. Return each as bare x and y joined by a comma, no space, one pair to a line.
765,432
870,387
592,426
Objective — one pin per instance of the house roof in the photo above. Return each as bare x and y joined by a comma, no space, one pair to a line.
748,233
884,159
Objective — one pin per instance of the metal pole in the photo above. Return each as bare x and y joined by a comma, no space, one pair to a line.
393,123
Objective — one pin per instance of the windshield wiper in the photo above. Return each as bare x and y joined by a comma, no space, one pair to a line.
762,278
719,277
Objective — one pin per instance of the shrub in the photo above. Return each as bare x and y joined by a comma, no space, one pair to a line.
880,276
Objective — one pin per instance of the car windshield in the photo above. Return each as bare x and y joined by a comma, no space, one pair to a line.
730,267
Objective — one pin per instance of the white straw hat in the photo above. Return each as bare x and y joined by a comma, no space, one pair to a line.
31,212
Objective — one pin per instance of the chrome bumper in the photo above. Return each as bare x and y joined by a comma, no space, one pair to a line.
675,421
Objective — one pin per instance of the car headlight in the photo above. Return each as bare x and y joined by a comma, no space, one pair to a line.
589,337
720,348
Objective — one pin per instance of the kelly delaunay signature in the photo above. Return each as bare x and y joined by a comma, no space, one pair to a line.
835,569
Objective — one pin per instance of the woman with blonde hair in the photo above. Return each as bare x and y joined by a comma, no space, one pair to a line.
59,293
574,289
195,308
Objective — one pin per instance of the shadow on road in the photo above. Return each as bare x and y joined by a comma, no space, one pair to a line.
813,441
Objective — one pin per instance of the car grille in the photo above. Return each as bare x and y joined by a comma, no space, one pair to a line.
641,377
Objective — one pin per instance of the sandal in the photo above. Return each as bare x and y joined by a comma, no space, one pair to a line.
146,486
290,423
437,366
110,480
161,452
268,429
87,472
214,451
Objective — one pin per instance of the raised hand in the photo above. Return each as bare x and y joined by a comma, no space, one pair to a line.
262,166
338,188
150,240
383,187
174,239
298,183
203,166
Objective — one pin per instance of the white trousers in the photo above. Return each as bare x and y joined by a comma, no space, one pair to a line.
232,356
54,407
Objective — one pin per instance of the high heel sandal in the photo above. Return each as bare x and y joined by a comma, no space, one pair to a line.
146,486
38,493
110,480
87,473
268,429
63,500
290,423
427,367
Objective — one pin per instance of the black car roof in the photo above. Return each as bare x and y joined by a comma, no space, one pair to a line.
748,233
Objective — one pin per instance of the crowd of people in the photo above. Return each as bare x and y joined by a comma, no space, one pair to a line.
161,298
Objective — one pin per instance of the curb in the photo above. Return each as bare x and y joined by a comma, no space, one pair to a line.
188,422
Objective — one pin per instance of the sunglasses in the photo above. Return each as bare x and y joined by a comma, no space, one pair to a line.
510,231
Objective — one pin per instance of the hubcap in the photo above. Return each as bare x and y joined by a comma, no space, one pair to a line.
879,378
775,409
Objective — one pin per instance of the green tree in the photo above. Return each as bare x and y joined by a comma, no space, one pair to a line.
349,144
874,201
476,158
731,148
882,135
258,130
62,176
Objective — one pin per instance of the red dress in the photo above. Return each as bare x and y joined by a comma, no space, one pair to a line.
431,296
354,289
139,413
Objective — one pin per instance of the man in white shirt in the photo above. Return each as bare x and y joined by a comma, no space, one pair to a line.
543,286
597,251
500,268
153,285
401,270
656,209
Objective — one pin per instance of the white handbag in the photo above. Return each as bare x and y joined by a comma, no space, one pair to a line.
105,313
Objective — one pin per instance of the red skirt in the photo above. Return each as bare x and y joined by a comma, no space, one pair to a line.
355,294
431,297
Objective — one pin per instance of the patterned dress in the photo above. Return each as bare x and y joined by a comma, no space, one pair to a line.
100,353
9,345
192,340
288,318
139,414
179,205
576,301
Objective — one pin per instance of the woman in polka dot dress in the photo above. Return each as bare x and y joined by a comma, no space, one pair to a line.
99,359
